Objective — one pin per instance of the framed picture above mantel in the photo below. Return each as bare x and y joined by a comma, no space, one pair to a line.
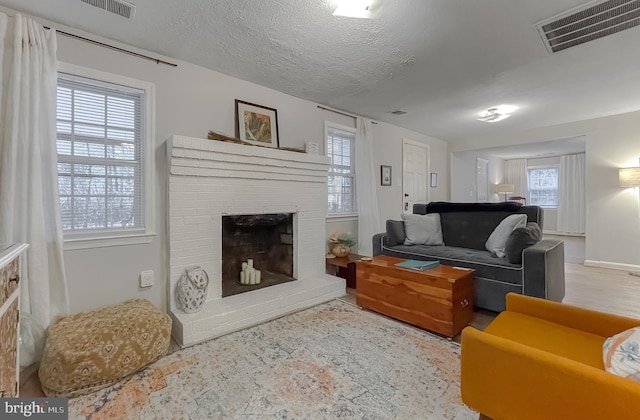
257,124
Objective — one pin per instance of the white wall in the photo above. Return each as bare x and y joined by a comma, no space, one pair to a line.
190,101
387,143
613,214
387,140
463,176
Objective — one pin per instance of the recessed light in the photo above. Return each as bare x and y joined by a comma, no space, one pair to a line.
367,9
497,113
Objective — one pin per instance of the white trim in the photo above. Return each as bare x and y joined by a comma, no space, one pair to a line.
10,253
87,243
345,217
611,265
336,126
148,146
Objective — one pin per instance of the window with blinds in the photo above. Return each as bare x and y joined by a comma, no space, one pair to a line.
341,179
100,148
543,186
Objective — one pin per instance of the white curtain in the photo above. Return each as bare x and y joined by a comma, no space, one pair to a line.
29,209
516,174
368,218
571,194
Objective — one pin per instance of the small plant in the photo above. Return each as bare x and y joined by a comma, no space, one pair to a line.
343,239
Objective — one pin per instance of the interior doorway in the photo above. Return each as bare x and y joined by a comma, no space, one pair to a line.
415,170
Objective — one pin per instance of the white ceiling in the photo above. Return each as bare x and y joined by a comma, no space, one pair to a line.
442,61
544,149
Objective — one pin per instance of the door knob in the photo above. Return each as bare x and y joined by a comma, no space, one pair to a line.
406,195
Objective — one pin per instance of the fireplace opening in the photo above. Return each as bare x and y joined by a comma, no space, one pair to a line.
257,252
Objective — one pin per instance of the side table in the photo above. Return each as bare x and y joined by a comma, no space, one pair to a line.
344,267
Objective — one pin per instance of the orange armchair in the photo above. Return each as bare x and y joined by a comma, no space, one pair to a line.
543,360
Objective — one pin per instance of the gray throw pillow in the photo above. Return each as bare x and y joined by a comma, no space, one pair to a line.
498,238
422,229
395,232
520,239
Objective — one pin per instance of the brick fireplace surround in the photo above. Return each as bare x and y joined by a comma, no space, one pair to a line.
209,179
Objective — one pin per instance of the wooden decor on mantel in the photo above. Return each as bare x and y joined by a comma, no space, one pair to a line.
214,135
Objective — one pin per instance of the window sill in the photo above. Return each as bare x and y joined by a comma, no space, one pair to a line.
343,217
88,243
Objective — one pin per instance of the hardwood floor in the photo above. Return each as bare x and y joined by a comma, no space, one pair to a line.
601,289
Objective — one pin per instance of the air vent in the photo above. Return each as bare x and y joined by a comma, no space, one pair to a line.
118,7
398,112
589,22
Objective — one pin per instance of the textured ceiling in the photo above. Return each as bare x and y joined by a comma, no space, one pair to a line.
442,61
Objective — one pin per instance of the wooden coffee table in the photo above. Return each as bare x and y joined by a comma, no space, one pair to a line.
438,300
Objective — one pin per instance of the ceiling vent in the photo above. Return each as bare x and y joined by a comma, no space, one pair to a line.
118,7
589,22
398,112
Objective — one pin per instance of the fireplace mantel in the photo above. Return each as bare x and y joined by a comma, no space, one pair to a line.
209,179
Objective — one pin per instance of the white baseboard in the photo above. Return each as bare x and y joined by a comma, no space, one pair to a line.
612,265
556,233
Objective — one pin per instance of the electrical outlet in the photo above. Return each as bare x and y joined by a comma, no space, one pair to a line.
146,278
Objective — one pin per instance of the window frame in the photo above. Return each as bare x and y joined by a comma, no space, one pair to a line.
536,167
85,240
328,125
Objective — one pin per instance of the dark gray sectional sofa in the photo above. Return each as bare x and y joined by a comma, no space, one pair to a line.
465,229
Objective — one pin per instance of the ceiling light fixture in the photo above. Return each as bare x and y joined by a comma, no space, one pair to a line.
497,113
366,9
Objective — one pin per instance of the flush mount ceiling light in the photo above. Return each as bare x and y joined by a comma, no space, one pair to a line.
497,113
366,9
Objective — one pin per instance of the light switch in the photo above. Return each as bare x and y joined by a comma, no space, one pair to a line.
146,278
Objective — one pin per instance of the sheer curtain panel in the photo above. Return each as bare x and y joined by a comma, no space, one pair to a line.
28,172
571,195
515,171
368,217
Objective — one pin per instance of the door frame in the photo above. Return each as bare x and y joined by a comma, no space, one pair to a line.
426,175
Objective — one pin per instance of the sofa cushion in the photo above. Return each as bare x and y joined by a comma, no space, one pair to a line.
486,264
580,346
469,229
395,232
520,239
422,229
498,238
622,354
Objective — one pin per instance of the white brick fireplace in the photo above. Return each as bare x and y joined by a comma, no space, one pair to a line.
209,179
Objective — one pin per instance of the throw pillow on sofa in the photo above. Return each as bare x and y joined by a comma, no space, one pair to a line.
622,354
520,239
422,229
498,238
395,232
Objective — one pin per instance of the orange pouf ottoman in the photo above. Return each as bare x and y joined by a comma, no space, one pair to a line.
94,349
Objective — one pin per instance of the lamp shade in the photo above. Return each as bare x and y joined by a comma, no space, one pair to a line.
505,188
629,177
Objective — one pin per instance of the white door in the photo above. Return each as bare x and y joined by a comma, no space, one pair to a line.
482,180
415,169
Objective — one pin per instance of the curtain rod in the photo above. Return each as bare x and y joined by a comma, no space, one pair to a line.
341,113
112,47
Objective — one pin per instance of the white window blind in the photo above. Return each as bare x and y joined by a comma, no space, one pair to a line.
543,187
100,148
341,180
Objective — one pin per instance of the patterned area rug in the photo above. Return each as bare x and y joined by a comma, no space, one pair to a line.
330,361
